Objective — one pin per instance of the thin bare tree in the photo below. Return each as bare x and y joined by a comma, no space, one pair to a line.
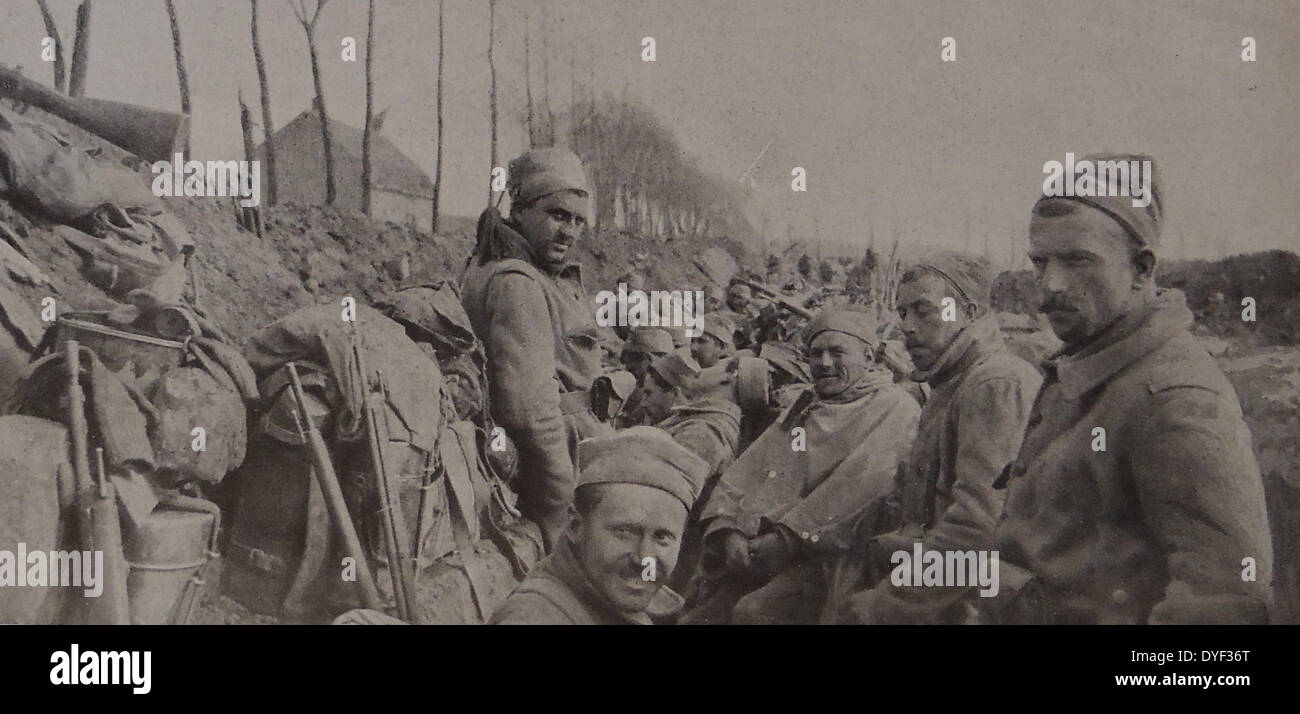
546,79
268,127
52,30
309,28
80,52
528,79
182,78
492,90
370,99
437,171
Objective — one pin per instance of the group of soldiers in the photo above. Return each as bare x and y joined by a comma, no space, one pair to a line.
1116,481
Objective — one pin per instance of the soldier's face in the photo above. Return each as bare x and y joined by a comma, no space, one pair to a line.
656,400
706,349
636,362
926,333
1086,277
553,224
628,543
836,361
737,301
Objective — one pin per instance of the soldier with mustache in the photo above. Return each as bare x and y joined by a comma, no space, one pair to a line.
1135,497
624,534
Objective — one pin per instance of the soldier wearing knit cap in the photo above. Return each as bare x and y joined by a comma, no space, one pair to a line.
644,346
786,508
610,567
529,308
1135,497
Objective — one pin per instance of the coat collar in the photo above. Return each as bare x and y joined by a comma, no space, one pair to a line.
1131,338
971,345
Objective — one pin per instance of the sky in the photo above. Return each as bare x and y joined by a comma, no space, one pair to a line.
895,142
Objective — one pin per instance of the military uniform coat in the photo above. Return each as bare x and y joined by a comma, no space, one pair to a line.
1158,526
538,330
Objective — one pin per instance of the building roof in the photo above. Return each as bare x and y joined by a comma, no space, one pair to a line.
391,170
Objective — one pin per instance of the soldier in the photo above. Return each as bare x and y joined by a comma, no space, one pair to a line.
716,343
784,510
625,528
970,427
665,385
644,346
529,308
1135,497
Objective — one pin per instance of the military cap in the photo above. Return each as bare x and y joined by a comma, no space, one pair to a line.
840,318
650,340
970,277
1141,223
542,172
720,328
642,455
677,369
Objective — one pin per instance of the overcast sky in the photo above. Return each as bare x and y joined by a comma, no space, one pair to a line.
939,154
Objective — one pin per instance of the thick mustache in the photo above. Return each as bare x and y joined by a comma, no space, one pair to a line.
1055,304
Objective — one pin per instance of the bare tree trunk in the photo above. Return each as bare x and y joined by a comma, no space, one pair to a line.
309,27
267,126
52,30
182,78
80,52
528,81
437,171
492,91
546,82
249,218
370,90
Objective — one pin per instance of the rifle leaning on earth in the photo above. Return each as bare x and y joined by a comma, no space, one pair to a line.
328,481
396,544
151,134
97,518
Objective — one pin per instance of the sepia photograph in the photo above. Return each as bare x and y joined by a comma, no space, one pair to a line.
658,312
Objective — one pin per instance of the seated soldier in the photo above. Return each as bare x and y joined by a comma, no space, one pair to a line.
716,343
784,510
629,510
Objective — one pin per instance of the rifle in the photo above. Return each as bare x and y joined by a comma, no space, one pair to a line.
390,508
780,300
333,493
97,519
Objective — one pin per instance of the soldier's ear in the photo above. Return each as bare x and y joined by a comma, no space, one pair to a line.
1144,267
575,519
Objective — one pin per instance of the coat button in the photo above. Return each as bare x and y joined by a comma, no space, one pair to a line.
804,535
1119,596
815,537
771,474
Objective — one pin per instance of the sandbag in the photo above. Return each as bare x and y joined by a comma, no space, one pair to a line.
36,509
186,398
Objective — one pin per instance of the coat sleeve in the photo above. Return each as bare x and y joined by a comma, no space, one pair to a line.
991,418
529,608
1203,500
526,397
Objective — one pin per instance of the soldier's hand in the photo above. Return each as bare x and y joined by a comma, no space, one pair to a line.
770,551
736,549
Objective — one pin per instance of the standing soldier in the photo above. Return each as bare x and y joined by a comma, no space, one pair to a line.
1135,497
529,308
970,427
